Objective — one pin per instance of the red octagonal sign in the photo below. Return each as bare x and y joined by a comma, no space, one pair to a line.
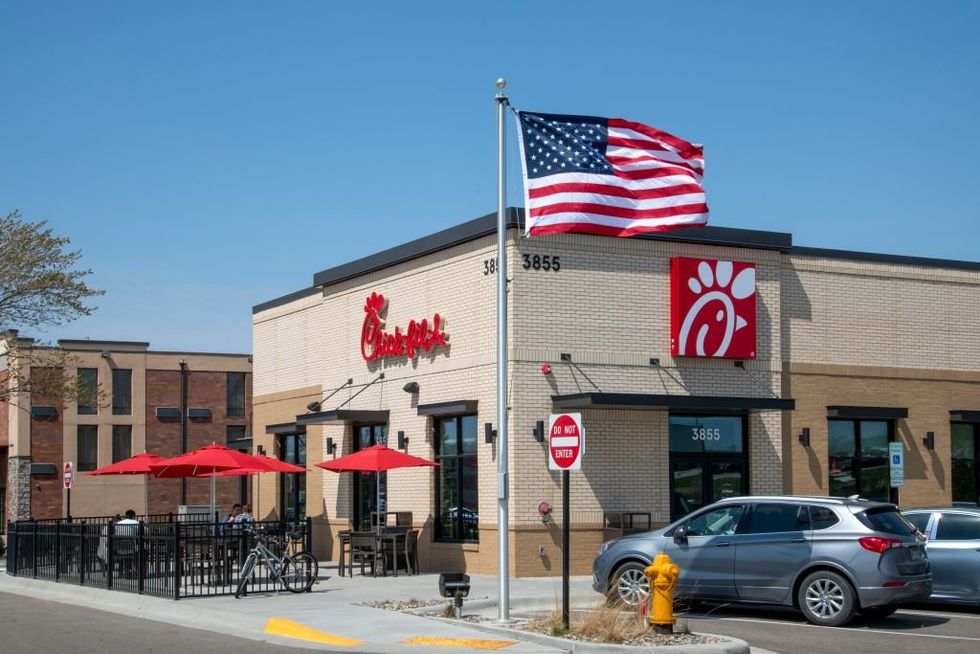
69,475
566,442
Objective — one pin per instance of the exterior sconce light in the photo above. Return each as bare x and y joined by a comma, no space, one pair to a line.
402,441
805,436
411,387
331,446
489,433
929,440
259,449
539,431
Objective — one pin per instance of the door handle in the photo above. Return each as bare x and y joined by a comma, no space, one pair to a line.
725,544
797,540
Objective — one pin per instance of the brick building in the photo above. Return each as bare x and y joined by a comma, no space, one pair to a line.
140,410
705,363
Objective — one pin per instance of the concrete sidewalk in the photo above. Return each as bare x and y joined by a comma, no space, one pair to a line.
331,616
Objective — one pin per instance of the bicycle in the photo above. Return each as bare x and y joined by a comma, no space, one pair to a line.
297,572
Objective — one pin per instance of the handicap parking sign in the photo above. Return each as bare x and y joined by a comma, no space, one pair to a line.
896,464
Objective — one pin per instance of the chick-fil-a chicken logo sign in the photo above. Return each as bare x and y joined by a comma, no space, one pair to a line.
712,308
376,343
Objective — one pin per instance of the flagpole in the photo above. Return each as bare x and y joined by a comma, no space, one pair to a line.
503,533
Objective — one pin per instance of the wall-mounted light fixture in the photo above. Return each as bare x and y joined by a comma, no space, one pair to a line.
539,431
411,387
739,364
489,433
106,354
654,361
929,440
402,441
805,436
565,356
331,446
259,449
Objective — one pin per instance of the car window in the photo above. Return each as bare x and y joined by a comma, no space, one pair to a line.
920,520
886,519
956,526
822,517
773,518
716,522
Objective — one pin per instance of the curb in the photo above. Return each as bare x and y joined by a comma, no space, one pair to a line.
727,646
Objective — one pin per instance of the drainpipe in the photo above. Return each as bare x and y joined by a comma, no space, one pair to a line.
183,423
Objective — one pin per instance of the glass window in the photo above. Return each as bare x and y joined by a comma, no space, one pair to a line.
234,433
370,488
122,442
236,394
698,434
457,475
717,522
775,518
88,448
886,519
822,517
122,392
292,486
958,526
920,520
88,391
963,474
858,458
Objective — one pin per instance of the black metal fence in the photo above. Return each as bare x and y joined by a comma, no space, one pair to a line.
161,557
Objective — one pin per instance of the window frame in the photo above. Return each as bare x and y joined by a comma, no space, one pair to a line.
85,389
857,470
232,410
122,410
81,466
458,456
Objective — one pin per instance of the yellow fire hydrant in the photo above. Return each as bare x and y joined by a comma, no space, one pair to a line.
663,577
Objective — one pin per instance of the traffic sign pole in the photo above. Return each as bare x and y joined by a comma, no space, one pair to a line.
564,548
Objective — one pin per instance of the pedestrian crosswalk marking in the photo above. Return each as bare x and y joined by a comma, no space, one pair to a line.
474,643
290,629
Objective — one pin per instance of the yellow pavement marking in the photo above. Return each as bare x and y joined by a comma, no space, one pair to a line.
474,643
290,629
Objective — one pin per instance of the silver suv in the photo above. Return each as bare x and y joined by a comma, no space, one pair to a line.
828,557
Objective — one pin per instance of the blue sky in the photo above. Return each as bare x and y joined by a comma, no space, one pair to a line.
206,157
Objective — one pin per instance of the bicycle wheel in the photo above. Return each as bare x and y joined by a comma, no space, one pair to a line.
299,572
245,575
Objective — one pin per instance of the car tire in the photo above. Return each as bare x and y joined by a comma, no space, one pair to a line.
827,599
879,611
628,586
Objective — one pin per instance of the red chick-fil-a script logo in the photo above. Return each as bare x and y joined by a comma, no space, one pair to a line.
712,308
376,343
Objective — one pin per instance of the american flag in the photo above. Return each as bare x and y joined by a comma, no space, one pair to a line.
608,176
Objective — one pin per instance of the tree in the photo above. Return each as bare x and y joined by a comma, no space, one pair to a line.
40,286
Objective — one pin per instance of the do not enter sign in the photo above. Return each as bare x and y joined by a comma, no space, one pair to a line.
566,442
69,475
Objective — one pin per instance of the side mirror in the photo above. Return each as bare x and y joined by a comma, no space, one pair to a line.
680,535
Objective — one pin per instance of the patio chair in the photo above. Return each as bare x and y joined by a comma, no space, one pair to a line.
364,549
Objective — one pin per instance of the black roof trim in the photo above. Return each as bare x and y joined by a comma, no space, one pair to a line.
868,412
454,408
487,225
286,299
963,415
676,402
343,415
896,259
285,428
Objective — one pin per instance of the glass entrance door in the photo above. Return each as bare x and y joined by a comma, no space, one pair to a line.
292,486
366,491
707,461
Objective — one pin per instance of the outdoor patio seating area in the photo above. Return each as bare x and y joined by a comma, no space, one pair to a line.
159,556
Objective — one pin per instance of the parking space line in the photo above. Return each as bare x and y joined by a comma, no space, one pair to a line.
474,643
863,631
295,630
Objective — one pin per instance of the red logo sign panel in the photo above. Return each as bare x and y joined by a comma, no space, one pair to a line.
712,308
566,442
376,343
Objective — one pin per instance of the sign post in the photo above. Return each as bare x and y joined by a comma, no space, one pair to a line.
566,444
69,480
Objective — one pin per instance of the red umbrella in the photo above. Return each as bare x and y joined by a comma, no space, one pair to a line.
134,465
208,459
376,458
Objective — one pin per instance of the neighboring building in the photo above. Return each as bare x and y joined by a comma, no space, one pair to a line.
141,411
815,361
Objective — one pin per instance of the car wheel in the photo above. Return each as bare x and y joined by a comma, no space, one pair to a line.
827,599
879,611
629,585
